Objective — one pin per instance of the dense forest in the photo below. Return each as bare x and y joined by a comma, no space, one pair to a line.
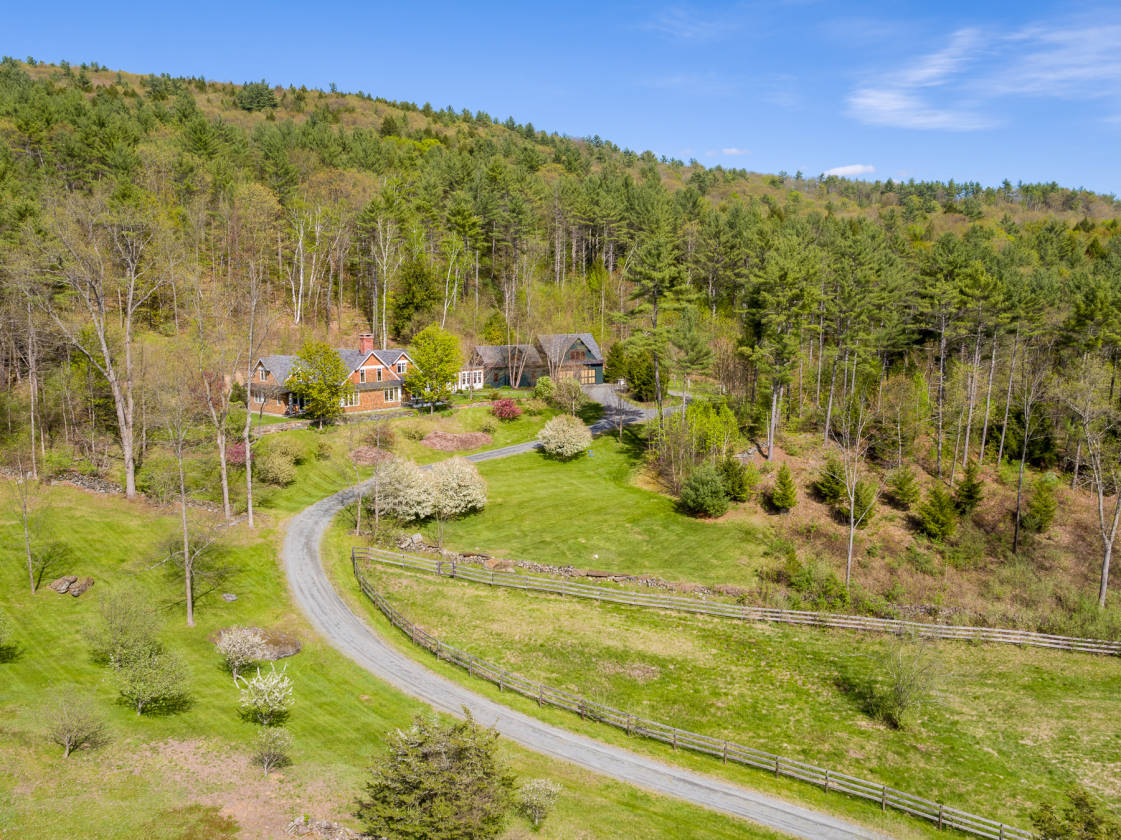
158,232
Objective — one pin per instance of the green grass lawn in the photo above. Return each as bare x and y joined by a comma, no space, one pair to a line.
589,513
1009,728
160,773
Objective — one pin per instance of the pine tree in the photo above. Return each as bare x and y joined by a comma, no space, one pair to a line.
830,484
937,515
784,495
703,493
739,480
903,487
970,491
1042,505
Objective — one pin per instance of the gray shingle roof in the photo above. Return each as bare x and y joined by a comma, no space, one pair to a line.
498,355
556,345
278,366
281,366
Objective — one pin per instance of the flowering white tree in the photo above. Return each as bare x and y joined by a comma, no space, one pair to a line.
267,696
564,437
536,798
241,646
404,491
457,488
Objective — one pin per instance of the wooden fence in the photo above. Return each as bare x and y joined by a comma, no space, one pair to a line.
938,813
537,583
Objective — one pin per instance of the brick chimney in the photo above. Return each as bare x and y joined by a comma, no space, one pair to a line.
365,343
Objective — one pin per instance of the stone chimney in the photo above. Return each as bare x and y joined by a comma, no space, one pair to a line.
365,343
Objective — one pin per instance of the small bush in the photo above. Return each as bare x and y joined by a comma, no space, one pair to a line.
273,749
535,406
903,487
323,450
150,679
784,495
968,551
284,446
414,431
381,435
564,437
921,561
125,627
488,425
505,410
240,647
158,477
235,454
703,492
970,490
830,484
913,673
817,584
1082,819
544,389
274,468
937,515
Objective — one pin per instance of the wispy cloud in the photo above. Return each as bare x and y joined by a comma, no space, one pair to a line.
851,170
734,151
697,84
963,85
686,23
902,99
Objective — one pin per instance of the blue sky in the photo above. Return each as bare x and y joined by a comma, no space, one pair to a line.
972,91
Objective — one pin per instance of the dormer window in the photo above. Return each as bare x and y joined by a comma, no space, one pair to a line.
362,375
262,374
377,372
401,366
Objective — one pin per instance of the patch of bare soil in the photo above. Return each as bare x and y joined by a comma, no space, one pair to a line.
451,442
367,456
262,805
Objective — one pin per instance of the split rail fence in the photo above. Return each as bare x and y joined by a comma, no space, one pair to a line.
537,583
943,816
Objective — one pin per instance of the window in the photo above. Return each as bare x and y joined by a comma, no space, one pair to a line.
349,401
402,367
478,379
262,374
377,371
258,398
362,374
393,395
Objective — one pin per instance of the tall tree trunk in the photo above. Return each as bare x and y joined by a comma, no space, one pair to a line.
1008,396
988,402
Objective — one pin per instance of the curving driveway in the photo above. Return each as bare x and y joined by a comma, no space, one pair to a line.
330,615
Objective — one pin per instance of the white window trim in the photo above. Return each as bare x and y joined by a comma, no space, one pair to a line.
393,395
378,374
362,375
259,398
262,374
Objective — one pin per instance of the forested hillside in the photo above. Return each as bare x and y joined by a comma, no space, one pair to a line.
156,232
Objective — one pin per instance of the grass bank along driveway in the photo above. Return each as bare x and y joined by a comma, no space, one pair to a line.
351,635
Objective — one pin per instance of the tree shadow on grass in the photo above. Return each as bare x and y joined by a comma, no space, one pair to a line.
862,691
10,653
164,707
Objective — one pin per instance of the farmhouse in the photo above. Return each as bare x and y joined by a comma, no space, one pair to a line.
559,355
378,377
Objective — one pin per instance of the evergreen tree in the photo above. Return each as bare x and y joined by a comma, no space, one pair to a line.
903,487
937,514
864,504
784,495
830,484
739,480
970,491
703,493
1042,504
438,781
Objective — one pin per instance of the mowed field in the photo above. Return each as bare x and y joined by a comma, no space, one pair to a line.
187,775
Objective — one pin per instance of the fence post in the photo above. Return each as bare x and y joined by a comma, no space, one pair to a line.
439,568
1002,831
541,695
453,568
630,722
777,760
940,807
725,752
827,781
492,577
883,799
501,675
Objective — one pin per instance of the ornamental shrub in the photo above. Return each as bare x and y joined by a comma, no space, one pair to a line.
505,410
544,389
703,492
564,437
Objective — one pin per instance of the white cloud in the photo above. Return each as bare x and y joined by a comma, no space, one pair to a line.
687,24
960,86
734,151
851,170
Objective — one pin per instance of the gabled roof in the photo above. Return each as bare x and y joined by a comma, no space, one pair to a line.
389,357
281,366
556,345
498,355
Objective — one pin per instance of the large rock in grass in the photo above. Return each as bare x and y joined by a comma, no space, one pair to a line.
60,585
498,564
77,589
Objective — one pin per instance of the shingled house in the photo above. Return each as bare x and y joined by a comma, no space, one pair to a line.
559,355
378,377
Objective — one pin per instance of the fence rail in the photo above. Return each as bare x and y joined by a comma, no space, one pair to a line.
943,816
537,583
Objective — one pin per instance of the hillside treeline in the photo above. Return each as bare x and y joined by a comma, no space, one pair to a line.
158,232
